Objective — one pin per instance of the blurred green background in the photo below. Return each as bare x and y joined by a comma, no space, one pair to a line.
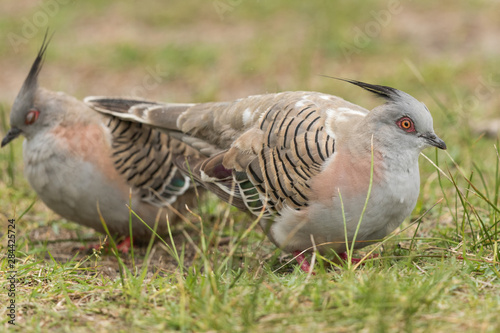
224,49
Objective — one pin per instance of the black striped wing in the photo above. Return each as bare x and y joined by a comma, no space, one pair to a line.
292,147
296,146
144,156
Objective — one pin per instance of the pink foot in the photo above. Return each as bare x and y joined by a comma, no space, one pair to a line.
124,245
304,264
344,257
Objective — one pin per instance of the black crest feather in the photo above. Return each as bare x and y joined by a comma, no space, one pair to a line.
31,79
385,92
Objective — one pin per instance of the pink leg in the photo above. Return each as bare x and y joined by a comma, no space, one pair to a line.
124,245
304,264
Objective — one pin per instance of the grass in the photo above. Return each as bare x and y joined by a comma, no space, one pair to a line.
440,272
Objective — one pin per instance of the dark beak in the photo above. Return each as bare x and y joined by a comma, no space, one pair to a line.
11,135
434,140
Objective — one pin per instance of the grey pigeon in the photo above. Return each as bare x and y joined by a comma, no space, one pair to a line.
302,160
75,159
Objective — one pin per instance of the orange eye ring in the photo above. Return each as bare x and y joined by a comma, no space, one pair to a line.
31,116
406,124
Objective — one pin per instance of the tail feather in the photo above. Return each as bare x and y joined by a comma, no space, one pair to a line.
160,115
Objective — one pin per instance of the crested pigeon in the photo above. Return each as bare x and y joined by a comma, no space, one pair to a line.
74,160
302,161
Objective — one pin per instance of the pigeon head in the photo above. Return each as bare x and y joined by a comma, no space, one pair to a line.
402,120
27,115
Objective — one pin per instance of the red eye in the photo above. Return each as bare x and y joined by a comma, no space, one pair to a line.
31,116
406,124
